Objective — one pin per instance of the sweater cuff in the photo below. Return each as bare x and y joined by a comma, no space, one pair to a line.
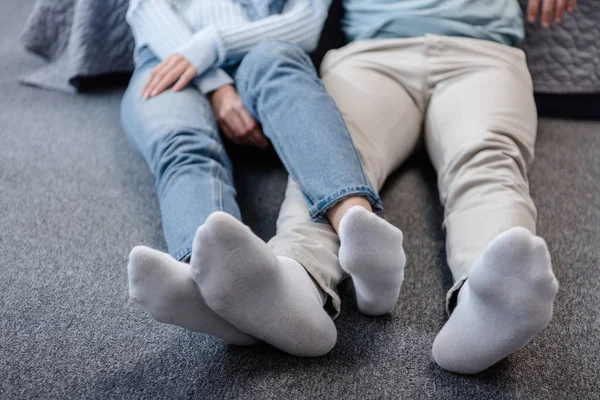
203,51
212,80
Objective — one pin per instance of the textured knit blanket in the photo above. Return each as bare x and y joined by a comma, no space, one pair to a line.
87,38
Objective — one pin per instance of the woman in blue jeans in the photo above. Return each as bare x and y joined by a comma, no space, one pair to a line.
201,65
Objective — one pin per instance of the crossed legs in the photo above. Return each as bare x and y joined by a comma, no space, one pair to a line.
244,291
480,142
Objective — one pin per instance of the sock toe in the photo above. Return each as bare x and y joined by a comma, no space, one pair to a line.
141,259
506,301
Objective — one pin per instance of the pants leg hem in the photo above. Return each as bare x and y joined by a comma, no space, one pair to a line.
313,271
452,294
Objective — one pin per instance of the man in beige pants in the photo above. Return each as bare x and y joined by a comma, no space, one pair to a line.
472,102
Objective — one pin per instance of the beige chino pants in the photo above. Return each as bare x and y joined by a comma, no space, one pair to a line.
473,102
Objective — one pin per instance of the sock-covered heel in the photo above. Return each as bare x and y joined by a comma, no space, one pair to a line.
272,299
506,301
371,252
167,291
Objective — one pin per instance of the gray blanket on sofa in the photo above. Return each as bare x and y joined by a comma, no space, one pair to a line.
79,39
83,38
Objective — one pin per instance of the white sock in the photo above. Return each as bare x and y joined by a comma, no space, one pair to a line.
504,303
273,299
371,252
166,289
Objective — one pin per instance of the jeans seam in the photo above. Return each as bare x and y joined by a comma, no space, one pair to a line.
217,195
221,207
216,188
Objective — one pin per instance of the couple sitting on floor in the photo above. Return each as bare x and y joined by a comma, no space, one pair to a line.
445,72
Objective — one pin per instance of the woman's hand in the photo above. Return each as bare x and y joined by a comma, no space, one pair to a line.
173,70
234,120
551,9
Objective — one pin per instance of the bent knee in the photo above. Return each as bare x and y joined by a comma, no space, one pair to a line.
495,163
182,146
272,51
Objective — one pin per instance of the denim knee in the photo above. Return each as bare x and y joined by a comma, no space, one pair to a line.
180,149
272,52
268,68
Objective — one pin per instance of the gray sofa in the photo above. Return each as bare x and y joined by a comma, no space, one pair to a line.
74,199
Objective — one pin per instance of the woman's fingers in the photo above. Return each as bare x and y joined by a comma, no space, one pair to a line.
253,131
259,138
551,10
185,78
156,75
227,131
149,80
168,79
547,11
560,11
174,69
237,126
533,10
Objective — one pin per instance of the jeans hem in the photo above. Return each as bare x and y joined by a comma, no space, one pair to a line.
318,212
183,254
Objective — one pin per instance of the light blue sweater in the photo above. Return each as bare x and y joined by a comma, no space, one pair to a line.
209,32
496,20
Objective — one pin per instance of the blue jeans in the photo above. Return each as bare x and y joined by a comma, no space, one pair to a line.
177,135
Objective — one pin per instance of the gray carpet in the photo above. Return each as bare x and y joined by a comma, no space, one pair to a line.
74,199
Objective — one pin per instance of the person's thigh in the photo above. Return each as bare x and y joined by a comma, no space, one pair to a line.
148,122
480,132
483,90
380,101
177,135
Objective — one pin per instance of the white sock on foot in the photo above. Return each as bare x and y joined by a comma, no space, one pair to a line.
166,289
271,298
371,252
506,301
